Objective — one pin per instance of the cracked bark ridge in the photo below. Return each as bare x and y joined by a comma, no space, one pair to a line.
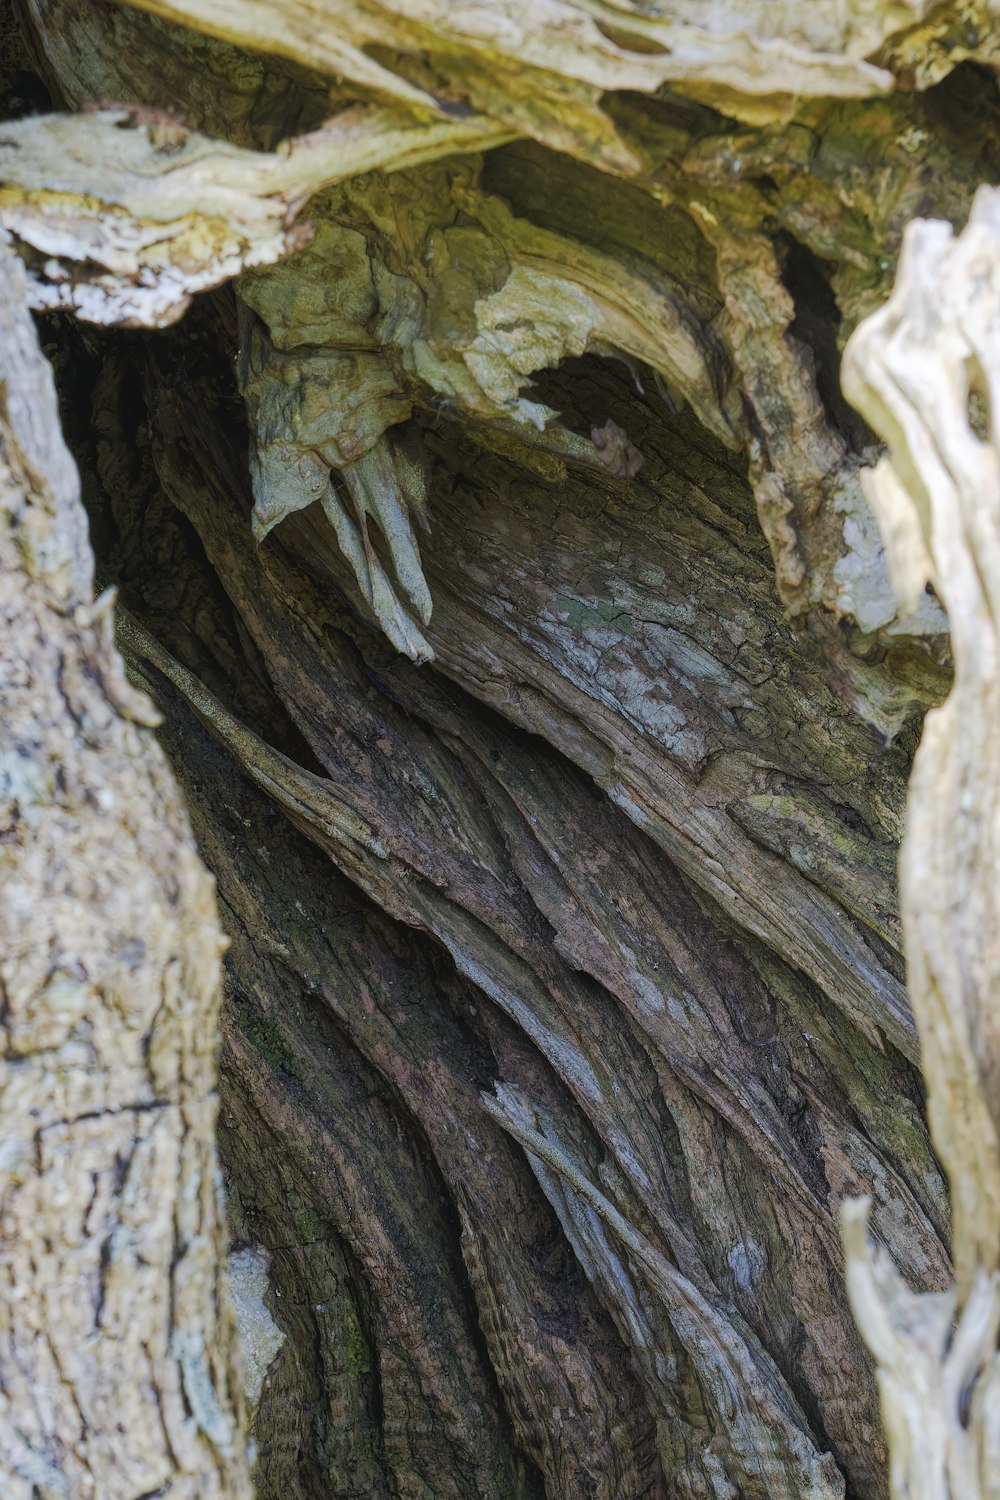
117,1358
591,977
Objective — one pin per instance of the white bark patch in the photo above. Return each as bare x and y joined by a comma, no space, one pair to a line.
747,1261
260,1337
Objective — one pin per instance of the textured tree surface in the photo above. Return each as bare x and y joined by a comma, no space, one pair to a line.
925,370
496,551
116,1343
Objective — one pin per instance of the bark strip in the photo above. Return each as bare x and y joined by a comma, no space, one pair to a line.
925,371
118,1372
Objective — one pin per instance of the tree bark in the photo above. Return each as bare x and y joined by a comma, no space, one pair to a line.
925,370
117,1347
565,997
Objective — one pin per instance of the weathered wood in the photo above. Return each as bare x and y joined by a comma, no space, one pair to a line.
748,373
578,896
123,214
925,371
547,69
117,1357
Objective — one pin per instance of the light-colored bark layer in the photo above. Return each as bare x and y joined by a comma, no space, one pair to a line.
117,1373
925,371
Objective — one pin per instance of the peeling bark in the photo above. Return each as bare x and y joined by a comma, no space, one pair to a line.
123,214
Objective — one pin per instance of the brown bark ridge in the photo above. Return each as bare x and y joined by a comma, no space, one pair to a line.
117,1373
604,1012
565,999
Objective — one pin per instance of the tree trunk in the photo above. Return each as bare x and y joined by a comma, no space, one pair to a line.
565,998
116,1340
